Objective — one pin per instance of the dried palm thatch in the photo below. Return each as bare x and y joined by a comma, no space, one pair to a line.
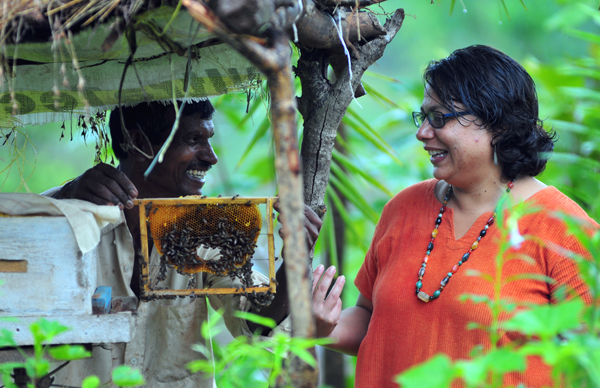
35,20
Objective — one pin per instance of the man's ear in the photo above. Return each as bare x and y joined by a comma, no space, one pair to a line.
142,149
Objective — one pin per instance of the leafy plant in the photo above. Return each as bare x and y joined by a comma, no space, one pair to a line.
37,367
247,363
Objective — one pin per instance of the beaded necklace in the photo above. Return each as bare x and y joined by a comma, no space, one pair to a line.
422,295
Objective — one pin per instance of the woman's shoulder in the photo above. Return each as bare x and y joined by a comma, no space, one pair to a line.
552,199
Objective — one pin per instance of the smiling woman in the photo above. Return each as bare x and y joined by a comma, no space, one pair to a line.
479,123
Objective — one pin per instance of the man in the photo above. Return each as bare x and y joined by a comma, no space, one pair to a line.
165,329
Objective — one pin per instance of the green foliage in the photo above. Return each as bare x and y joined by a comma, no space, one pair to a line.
249,363
126,376
38,366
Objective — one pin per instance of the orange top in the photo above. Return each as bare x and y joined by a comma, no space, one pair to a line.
404,331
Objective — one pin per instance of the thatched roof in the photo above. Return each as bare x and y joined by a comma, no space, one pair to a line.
67,57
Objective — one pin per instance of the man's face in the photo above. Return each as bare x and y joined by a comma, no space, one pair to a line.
187,160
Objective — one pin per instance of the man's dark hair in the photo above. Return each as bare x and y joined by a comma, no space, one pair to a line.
153,119
501,94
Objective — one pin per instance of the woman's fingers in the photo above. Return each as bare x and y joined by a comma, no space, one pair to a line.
317,273
322,288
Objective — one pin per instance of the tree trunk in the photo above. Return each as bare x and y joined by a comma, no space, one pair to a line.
323,105
273,59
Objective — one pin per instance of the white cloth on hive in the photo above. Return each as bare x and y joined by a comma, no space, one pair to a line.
85,218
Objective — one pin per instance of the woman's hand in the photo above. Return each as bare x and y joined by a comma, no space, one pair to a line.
327,308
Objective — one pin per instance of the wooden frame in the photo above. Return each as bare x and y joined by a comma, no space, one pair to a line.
145,287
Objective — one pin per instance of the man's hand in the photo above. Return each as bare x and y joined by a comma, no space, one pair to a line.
312,225
102,185
326,308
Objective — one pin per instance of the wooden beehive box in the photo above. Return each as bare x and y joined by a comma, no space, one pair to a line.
42,269
45,275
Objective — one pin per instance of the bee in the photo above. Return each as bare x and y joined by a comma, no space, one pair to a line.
148,206
235,196
249,203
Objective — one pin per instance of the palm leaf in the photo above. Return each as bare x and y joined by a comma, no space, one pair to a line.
345,187
366,131
340,158
332,196
259,134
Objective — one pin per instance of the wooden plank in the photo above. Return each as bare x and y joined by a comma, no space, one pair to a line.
271,242
19,266
196,201
106,328
204,291
123,303
145,254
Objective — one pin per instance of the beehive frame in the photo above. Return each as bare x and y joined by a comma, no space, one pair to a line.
145,286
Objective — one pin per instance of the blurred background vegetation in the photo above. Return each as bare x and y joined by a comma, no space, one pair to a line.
558,42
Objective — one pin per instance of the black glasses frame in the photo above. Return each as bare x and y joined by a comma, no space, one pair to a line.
419,117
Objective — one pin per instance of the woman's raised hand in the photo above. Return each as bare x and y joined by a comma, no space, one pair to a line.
326,308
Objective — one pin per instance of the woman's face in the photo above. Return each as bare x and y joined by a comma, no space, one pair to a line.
460,151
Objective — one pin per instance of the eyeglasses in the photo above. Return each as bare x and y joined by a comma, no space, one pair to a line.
436,119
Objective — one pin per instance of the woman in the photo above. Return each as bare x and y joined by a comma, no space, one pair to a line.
479,123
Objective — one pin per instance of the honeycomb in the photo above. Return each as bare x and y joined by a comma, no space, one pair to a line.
179,229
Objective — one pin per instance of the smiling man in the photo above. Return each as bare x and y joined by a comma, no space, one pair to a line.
165,329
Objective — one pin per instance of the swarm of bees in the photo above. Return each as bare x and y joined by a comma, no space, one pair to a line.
179,247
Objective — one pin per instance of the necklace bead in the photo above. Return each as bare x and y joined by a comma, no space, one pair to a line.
422,295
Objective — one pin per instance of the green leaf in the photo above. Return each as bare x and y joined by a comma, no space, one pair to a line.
352,194
304,355
259,320
44,331
552,353
340,158
500,361
211,325
437,372
587,36
125,376
378,95
479,274
37,368
6,339
370,134
530,276
546,321
332,195
69,352
91,382
8,367
261,131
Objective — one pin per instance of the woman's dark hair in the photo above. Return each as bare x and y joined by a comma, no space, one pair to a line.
153,119
502,95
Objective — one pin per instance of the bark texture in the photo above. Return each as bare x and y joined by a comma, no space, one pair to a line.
323,104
